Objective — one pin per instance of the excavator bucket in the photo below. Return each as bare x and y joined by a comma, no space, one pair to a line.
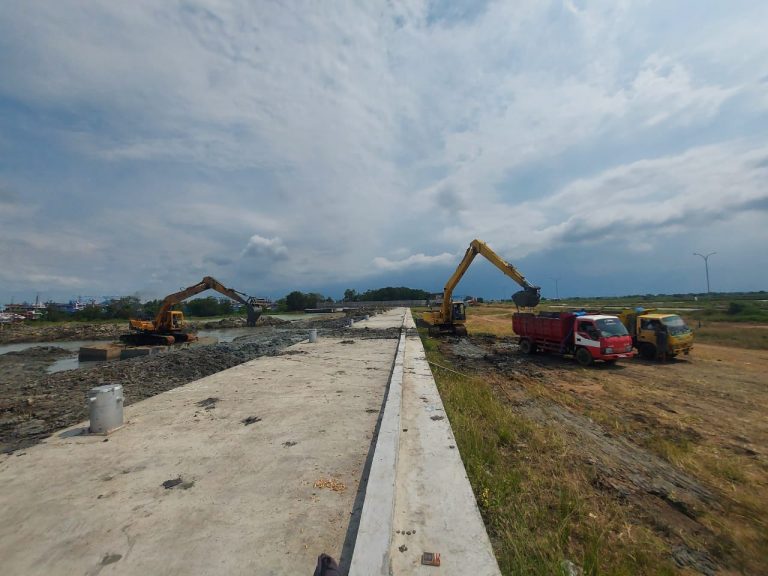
527,298
254,312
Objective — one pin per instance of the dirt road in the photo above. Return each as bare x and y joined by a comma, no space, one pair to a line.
683,444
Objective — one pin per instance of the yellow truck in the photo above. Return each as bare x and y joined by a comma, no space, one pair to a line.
657,335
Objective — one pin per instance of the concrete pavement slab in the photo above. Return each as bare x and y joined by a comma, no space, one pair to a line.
253,470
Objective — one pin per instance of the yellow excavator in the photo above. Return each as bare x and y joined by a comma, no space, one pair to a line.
451,317
168,324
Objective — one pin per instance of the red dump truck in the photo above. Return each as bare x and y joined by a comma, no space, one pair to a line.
586,337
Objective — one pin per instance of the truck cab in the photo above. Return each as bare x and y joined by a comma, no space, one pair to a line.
603,337
656,334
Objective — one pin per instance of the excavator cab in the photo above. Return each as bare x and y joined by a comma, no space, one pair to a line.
458,311
177,320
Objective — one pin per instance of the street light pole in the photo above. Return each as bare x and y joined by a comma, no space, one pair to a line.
557,292
706,265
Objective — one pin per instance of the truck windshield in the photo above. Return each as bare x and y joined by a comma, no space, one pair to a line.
611,327
675,325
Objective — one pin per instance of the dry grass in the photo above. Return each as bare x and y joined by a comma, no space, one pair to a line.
740,335
704,414
496,320
539,505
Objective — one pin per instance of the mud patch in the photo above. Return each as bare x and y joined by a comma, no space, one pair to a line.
178,483
110,559
208,403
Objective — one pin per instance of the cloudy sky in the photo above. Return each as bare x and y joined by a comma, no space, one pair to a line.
330,145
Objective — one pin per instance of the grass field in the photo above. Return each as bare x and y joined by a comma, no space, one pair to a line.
525,433
747,327
538,506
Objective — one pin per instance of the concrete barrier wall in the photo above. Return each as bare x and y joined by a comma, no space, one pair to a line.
374,535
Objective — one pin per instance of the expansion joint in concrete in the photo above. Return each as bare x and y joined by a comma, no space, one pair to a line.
371,555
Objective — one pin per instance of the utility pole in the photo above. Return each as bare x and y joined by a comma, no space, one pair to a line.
706,265
557,293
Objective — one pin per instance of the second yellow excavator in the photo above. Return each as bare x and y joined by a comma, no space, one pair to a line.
168,324
451,317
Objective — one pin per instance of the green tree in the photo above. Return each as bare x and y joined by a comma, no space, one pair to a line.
90,312
350,295
295,301
209,306
54,314
391,293
125,307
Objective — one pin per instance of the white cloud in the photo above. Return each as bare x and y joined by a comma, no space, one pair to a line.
413,261
664,91
272,248
179,129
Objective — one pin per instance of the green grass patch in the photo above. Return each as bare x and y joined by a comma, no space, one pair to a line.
674,450
735,335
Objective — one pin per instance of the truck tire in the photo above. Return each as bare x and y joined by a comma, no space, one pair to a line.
583,357
647,350
527,347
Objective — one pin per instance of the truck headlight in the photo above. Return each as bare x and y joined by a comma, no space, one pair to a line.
609,350
629,348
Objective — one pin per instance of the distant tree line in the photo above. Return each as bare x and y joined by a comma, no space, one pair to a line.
385,294
296,301
131,307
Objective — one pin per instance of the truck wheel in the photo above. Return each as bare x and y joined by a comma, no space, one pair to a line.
647,351
583,357
527,347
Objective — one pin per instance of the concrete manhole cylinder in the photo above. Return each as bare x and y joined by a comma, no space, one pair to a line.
313,336
105,408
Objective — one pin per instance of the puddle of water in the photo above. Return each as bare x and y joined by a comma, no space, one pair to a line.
225,334
70,363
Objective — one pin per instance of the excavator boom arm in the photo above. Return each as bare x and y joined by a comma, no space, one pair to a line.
207,283
528,297
501,264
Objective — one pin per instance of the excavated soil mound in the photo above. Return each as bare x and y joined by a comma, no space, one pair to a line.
32,332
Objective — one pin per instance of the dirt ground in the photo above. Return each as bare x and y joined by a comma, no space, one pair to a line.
684,444
110,330
34,404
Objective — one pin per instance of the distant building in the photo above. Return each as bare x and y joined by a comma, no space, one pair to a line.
435,298
26,310
265,303
70,307
8,317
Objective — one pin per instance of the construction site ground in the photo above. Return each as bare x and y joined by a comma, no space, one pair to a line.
34,403
338,445
642,467
251,470
638,468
